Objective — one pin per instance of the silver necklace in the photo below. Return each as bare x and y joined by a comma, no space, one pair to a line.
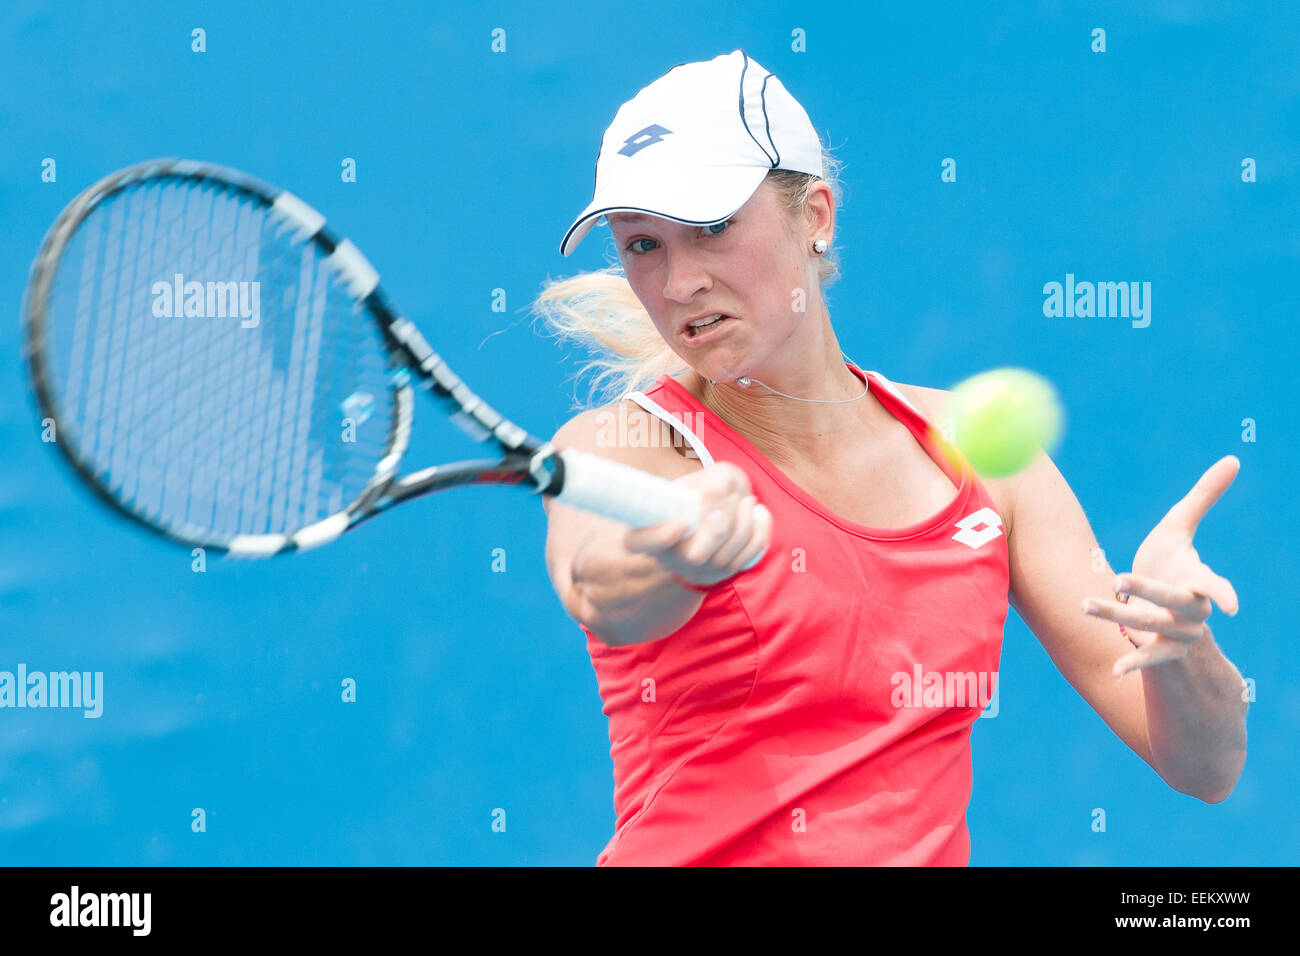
745,381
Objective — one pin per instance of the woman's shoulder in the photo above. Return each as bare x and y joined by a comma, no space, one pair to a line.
930,403
926,400
623,431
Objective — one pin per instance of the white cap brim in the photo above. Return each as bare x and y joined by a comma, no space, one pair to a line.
701,196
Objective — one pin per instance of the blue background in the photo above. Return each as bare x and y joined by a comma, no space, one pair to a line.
475,690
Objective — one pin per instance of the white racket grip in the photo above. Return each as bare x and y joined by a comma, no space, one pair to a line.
630,495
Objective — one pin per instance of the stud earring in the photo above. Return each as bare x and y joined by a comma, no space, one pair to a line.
819,246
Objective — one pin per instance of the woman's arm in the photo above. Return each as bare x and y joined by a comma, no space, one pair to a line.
626,587
1185,717
619,596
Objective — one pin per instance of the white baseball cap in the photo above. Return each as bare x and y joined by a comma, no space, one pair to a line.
695,144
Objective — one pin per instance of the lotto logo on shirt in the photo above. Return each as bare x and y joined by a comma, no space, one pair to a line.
979,528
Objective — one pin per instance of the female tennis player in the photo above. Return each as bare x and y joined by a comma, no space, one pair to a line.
815,707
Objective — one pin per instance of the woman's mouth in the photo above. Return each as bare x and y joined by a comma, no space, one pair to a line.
706,328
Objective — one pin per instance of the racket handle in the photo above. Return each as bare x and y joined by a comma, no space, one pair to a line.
635,497
630,495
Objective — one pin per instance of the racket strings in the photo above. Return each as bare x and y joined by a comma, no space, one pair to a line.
211,369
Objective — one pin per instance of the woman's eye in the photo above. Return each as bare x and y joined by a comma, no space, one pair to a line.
719,226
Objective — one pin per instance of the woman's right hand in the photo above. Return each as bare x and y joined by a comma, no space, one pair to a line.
733,532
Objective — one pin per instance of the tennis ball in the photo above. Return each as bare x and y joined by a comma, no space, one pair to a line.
1002,417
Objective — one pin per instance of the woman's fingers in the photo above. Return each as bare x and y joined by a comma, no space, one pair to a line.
719,523
717,484
733,531
655,539
1146,616
1180,600
1154,652
761,538
742,532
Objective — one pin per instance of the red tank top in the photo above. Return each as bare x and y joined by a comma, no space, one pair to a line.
817,709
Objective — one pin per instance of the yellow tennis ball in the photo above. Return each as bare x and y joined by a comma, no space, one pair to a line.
1001,418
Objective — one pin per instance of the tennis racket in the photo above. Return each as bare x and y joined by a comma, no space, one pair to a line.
222,368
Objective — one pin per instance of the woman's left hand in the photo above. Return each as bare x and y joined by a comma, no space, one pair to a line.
1170,588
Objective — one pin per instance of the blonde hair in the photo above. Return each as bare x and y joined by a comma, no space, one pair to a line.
599,311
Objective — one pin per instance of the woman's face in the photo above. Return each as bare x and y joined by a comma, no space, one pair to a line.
754,269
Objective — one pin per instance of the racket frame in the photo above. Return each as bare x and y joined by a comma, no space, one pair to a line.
527,459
